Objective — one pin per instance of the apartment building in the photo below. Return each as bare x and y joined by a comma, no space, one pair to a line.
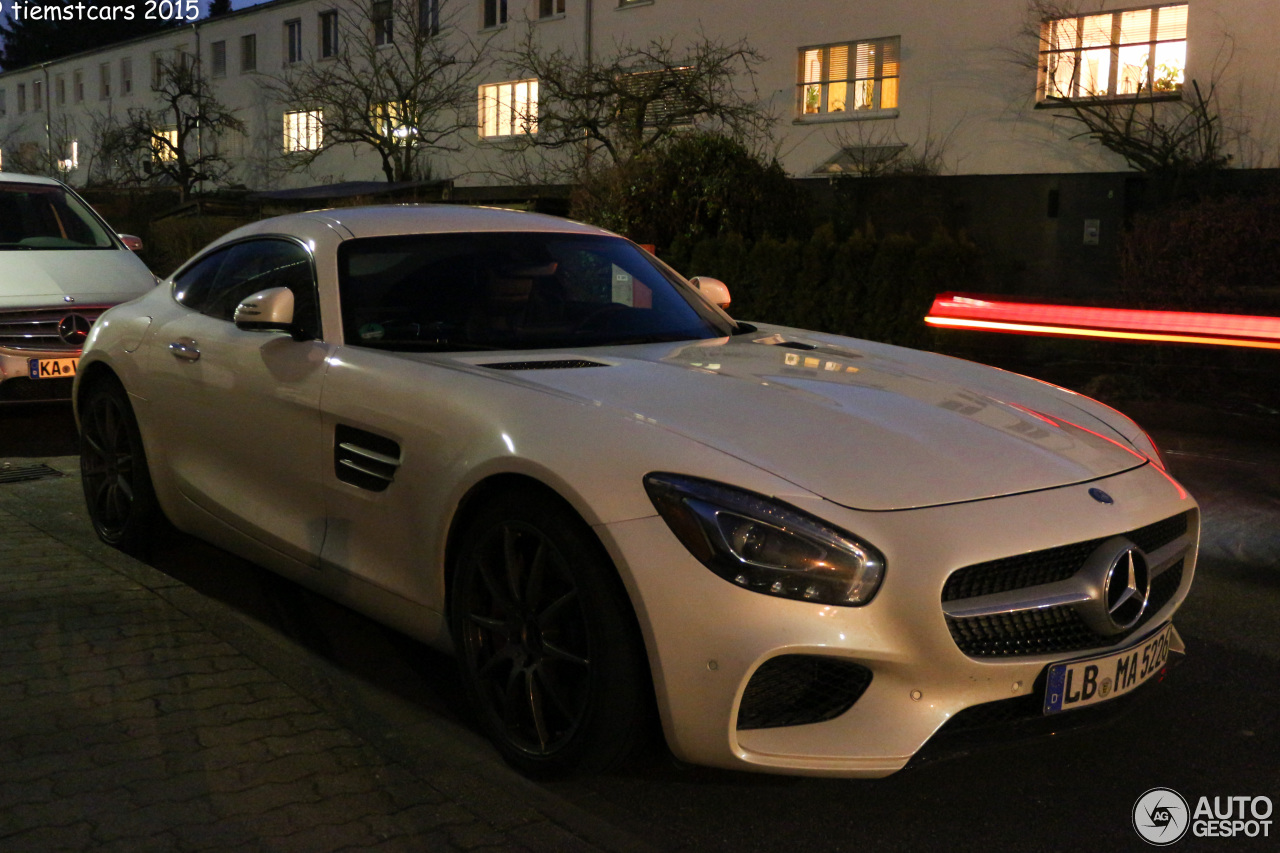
972,84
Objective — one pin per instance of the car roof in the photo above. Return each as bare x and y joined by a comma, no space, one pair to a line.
16,178
394,219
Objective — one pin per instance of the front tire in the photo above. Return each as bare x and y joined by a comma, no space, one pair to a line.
547,642
113,470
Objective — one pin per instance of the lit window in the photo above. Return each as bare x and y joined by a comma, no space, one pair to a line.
508,109
248,53
550,8
218,58
328,34
303,130
292,41
495,13
1138,52
72,160
164,144
844,78
390,120
383,22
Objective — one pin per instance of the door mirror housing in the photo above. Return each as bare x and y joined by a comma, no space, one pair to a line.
269,310
132,243
713,290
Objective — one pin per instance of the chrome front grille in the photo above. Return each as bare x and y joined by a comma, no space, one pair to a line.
37,329
1028,604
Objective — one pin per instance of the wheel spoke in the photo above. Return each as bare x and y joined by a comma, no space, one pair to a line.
512,561
497,589
554,610
536,709
558,653
537,567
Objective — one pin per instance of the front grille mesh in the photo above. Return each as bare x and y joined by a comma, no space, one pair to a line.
792,690
1050,630
1053,564
38,329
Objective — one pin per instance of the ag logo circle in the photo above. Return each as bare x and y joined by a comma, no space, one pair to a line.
1161,817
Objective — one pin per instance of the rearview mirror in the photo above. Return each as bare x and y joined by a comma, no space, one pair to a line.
713,290
132,243
269,310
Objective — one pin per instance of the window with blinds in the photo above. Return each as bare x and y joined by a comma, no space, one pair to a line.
508,109
849,77
1130,53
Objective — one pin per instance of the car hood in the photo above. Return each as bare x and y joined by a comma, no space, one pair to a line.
43,277
865,425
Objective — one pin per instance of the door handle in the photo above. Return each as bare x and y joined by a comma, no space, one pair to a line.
184,348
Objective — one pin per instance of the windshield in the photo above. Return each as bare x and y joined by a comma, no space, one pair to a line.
40,216
474,291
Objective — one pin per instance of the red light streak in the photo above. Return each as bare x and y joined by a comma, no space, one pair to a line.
956,310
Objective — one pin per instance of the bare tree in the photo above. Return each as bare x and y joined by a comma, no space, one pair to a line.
640,97
175,143
399,81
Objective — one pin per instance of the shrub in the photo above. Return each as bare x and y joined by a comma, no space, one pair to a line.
1210,254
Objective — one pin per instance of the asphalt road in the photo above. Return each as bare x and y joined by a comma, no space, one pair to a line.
1211,730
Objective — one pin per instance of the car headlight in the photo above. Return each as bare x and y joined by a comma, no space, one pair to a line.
765,545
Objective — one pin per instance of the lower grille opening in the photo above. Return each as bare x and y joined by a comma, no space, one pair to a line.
792,690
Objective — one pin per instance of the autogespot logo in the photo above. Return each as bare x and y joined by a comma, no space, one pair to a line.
1160,816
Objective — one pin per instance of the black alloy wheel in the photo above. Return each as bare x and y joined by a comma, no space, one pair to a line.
113,469
547,641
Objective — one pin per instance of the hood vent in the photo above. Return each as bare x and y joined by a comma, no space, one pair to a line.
780,341
550,364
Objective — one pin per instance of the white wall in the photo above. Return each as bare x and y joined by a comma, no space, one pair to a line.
961,85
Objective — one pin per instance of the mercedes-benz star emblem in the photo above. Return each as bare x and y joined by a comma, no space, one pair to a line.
1128,586
1117,581
73,329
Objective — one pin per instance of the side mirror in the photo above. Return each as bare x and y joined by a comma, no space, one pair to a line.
269,310
713,290
132,243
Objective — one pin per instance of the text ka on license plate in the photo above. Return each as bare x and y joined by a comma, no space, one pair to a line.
52,368
1079,683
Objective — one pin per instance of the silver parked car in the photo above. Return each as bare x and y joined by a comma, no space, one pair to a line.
61,266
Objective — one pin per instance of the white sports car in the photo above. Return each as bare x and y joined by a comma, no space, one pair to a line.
529,441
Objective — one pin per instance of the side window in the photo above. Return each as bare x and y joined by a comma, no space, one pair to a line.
193,286
220,282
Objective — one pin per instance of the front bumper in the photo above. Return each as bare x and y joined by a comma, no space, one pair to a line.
16,384
706,637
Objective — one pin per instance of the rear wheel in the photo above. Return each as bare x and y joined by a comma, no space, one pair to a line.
547,641
113,469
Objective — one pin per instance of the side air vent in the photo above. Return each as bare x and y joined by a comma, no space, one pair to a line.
364,459
793,690
549,364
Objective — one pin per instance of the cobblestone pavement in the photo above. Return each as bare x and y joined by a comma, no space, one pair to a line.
137,715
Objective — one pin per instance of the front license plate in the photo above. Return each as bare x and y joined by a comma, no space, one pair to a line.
1080,683
52,368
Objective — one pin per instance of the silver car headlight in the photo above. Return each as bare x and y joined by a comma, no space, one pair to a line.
765,545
